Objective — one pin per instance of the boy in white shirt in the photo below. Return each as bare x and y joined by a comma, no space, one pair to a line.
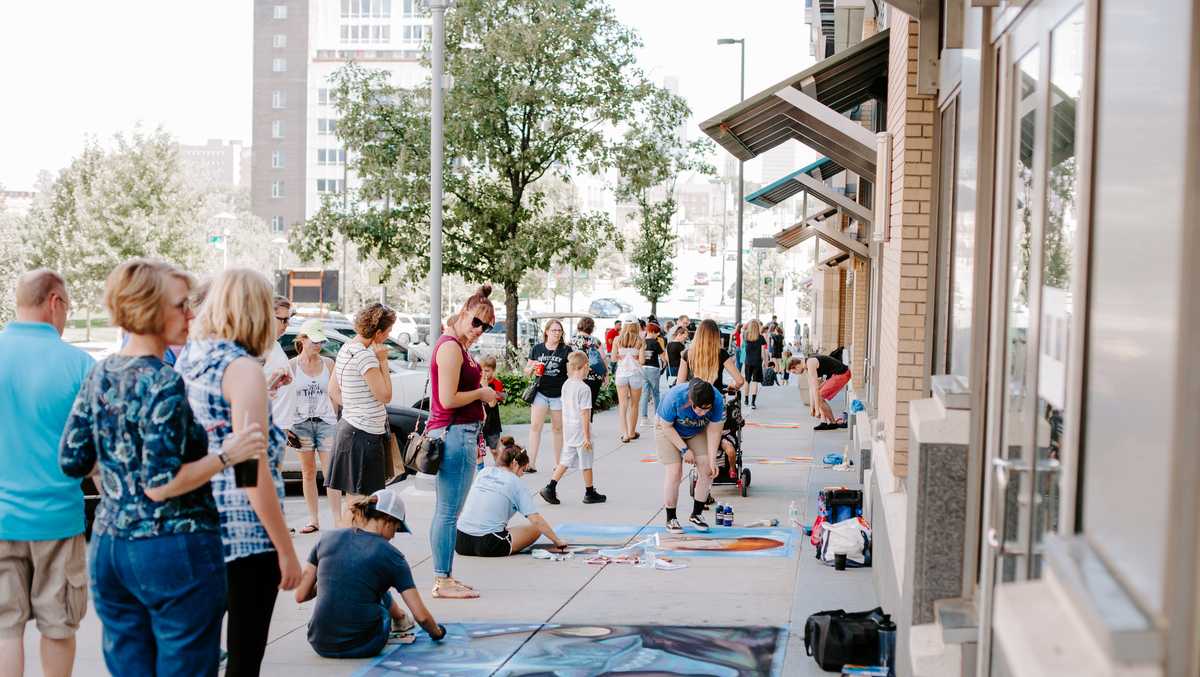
577,431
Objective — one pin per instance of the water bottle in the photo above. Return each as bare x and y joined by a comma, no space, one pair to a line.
729,515
794,514
887,644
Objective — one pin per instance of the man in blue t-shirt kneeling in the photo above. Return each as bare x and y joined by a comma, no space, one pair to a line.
691,418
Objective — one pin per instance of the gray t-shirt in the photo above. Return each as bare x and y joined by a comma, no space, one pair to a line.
495,497
354,570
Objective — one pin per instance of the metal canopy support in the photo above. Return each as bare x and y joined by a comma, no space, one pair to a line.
822,229
839,137
835,199
929,14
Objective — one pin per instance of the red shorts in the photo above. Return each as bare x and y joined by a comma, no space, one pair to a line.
834,384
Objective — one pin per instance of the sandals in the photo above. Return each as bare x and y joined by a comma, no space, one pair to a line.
624,440
636,435
310,529
448,588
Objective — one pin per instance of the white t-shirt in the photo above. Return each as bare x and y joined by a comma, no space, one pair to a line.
283,401
576,403
359,406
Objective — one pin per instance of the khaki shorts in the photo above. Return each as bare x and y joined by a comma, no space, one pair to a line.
668,454
46,581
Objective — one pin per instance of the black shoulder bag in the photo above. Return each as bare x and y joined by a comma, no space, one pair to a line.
423,453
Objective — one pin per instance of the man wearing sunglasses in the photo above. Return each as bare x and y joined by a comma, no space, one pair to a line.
279,375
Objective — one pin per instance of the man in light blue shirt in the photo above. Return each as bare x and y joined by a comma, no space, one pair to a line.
43,565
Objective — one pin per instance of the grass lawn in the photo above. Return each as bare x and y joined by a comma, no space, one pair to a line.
514,414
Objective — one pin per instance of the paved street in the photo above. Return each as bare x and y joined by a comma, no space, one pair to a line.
712,591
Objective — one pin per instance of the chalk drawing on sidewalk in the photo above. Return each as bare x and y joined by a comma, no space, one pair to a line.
763,424
577,650
757,460
720,542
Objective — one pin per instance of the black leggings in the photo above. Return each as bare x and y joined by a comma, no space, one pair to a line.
253,586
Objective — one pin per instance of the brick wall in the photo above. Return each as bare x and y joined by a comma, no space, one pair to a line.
843,307
859,309
828,303
904,290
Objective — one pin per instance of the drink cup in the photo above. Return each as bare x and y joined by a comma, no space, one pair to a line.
539,369
839,562
245,474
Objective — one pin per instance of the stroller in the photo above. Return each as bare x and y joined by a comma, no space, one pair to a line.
739,475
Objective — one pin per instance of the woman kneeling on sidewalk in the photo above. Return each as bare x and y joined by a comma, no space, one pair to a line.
496,496
351,570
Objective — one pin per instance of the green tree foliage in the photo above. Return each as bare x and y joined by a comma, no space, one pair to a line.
651,158
108,206
12,260
538,87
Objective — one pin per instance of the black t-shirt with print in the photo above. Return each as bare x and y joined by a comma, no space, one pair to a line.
674,353
654,352
754,351
556,368
722,357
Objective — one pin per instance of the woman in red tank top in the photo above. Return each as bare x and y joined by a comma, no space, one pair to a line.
456,415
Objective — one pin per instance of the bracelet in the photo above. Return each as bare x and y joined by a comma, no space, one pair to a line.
224,459
443,636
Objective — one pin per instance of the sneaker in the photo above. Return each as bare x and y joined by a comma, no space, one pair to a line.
698,522
673,527
530,470
594,497
550,495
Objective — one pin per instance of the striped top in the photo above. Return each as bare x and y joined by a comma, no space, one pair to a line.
359,406
202,365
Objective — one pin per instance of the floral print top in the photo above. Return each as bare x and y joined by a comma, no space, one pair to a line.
132,417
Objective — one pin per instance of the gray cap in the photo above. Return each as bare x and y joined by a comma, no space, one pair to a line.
390,504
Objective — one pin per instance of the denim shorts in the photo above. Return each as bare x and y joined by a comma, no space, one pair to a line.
315,435
555,403
635,380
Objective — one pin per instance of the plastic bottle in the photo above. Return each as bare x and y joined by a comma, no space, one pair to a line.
729,515
887,644
794,515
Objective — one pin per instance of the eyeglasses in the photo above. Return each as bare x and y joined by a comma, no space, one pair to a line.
477,323
284,319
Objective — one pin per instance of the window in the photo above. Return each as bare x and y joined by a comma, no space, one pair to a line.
276,189
322,97
276,224
279,65
387,34
280,12
345,33
331,156
326,126
277,159
279,41
276,129
413,33
345,9
278,99
329,185
410,8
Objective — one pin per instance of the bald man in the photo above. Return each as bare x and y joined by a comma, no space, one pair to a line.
43,568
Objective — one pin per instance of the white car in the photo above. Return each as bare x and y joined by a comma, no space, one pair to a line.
405,330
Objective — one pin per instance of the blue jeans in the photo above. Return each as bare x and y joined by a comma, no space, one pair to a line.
651,389
161,601
371,648
453,482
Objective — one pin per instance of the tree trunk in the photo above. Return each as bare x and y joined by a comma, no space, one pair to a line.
511,301
654,307
87,333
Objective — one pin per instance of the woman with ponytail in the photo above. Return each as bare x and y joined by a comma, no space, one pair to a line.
456,416
498,494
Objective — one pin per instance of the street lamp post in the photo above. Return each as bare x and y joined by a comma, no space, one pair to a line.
436,162
741,185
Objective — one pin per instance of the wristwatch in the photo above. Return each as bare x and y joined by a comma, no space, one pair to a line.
683,450
224,459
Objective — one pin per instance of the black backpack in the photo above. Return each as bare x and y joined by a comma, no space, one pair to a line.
836,638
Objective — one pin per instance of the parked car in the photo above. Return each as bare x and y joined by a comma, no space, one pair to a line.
406,330
700,279
608,307
494,341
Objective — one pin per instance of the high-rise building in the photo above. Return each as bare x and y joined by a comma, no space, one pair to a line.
216,164
298,45
778,162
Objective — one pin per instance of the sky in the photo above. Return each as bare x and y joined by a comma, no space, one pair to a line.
80,68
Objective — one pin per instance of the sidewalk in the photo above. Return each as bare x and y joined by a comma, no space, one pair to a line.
712,591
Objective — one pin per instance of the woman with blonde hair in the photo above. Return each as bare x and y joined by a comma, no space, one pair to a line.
456,417
362,386
707,360
757,355
549,359
132,421
627,352
228,392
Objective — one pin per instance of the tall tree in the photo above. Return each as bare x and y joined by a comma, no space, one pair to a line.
538,87
651,158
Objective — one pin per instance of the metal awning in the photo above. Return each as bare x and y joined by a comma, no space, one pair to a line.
826,193
785,188
808,107
821,226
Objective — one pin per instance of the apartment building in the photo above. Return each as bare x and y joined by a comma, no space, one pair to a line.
298,44
1013,295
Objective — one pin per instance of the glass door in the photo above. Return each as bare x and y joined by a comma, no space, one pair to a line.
1037,236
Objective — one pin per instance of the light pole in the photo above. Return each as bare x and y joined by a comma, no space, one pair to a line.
438,9
724,223
741,186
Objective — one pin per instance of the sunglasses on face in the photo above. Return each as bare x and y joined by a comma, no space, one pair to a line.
283,319
480,324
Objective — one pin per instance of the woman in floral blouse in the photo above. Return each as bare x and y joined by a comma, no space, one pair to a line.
158,579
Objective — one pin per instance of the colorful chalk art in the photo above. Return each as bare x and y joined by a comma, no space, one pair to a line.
553,650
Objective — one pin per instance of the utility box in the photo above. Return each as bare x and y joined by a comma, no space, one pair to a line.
308,286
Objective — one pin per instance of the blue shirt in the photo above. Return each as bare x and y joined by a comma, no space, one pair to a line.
132,415
39,377
495,496
675,410
355,569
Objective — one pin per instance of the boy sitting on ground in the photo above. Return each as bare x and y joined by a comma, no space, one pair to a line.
577,431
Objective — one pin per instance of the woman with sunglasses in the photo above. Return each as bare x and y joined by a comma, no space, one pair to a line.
456,417
315,419
549,358
362,385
